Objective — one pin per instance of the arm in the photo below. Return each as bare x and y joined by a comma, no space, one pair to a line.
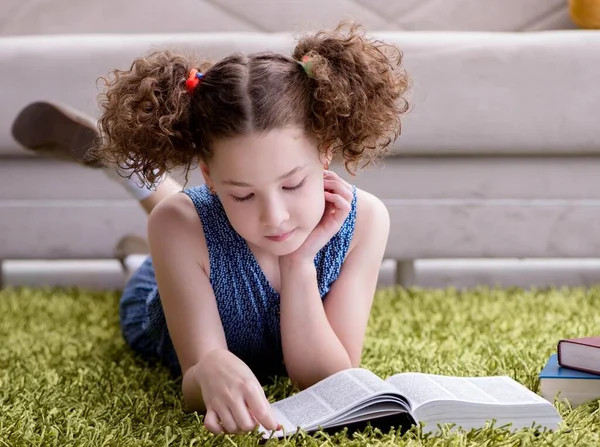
177,247
318,338
214,380
311,349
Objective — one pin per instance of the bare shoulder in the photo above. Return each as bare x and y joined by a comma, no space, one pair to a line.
372,220
177,210
174,222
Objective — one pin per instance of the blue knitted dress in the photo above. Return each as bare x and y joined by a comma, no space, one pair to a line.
248,305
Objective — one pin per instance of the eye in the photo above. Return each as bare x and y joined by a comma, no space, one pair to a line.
293,188
242,199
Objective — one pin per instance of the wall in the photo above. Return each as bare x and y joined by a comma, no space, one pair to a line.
18,17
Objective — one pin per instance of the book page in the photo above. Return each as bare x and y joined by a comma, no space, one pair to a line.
418,388
330,397
423,388
507,391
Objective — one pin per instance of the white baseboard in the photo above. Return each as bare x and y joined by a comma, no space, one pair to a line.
108,274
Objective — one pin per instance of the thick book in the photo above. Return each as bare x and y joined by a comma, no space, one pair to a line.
577,387
582,354
356,396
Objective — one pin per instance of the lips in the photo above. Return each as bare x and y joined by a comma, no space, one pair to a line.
280,237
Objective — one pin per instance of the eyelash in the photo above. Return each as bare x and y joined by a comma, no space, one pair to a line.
249,196
293,188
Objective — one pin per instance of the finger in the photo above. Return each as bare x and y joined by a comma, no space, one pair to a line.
227,420
211,422
243,418
339,188
346,195
333,176
339,202
261,409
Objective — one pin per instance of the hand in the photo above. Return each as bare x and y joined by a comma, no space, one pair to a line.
234,399
338,203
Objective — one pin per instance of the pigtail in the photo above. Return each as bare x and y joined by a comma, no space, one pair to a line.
146,111
357,89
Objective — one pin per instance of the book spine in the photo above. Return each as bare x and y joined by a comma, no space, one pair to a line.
559,353
576,368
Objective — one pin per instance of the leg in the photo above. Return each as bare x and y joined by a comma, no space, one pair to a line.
405,273
57,131
142,319
135,245
61,132
167,188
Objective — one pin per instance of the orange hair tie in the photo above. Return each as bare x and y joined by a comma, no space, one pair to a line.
193,80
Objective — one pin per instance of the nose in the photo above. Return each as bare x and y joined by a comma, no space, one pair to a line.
274,213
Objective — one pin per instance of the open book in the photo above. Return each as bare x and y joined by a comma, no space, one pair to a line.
358,395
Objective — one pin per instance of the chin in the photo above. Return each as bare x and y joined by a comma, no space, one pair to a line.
286,247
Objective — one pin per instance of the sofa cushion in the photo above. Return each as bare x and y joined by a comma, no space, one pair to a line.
179,16
473,92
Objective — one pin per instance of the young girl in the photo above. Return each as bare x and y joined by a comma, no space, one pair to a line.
270,267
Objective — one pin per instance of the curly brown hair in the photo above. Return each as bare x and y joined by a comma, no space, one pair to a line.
348,97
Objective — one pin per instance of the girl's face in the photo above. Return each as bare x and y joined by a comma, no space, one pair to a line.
271,187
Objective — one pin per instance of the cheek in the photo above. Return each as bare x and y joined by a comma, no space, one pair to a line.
238,218
311,206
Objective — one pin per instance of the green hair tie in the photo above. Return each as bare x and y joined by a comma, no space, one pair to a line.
307,65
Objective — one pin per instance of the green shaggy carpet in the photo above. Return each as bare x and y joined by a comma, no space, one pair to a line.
67,378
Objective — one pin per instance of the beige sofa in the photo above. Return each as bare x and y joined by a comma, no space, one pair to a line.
498,159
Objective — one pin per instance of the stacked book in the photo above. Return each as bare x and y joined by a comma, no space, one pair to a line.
574,373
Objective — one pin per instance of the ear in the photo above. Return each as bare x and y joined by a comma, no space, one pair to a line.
326,158
205,174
